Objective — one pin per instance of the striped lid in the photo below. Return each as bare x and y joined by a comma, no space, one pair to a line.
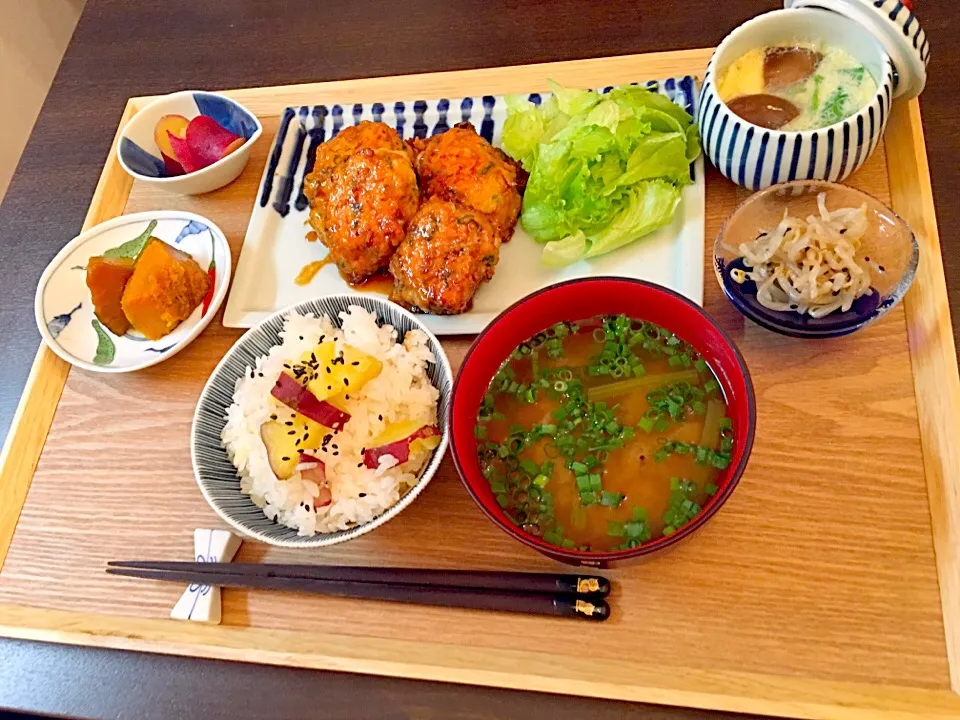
896,28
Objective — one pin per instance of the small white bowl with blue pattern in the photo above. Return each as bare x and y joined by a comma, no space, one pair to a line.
64,309
217,476
139,155
889,43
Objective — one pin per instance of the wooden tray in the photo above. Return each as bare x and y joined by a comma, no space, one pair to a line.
829,586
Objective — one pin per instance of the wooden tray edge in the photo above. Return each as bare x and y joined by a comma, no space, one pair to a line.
934,361
522,670
506,78
932,357
48,374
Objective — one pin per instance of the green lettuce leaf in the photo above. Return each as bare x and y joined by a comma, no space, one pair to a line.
650,206
604,169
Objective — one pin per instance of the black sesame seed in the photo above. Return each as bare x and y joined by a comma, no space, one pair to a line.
881,268
299,440
329,387
301,337
286,365
285,458
288,423
306,437
251,373
329,370
363,494
335,453
273,417
292,432
359,464
867,259
842,230
307,507
346,383
260,374
355,363
346,397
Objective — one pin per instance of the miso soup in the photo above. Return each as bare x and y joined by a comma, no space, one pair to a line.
604,433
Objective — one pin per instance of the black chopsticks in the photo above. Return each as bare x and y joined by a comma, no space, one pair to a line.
575,596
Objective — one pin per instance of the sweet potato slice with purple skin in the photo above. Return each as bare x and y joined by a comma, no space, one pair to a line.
209,141
106,278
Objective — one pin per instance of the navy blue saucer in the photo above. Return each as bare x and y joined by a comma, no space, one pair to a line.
793,324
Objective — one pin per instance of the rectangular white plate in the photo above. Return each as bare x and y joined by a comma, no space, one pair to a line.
275,247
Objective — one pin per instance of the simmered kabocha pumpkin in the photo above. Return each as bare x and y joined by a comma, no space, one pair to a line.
166,285
107,277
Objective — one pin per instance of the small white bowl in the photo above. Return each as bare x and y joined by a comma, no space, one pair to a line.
757,157
64,310
217,476
139,155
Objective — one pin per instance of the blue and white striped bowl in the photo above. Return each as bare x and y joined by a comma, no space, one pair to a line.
756,157
216,475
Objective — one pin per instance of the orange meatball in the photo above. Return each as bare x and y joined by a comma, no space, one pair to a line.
461,166
449,251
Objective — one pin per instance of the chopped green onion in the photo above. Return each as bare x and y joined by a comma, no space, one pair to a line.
616,529
711,385
541,481
726,423
480,432
553,536
711,489
588,498
609,499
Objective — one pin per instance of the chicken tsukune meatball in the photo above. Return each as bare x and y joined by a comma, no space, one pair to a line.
334,152
449,251
372,198
461,166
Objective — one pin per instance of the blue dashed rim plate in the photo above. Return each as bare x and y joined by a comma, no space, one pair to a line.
216,475
275,248
64,310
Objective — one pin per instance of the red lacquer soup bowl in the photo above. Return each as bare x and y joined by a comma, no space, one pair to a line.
576,300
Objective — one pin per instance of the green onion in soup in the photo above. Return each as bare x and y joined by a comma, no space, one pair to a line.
602,434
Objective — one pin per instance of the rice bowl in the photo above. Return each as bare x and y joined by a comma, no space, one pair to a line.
362,484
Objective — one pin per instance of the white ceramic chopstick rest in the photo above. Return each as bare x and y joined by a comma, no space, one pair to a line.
201,603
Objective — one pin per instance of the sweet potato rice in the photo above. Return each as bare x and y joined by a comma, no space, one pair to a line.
354,493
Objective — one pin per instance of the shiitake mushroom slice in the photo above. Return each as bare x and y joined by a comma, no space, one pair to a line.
765,110
784,66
